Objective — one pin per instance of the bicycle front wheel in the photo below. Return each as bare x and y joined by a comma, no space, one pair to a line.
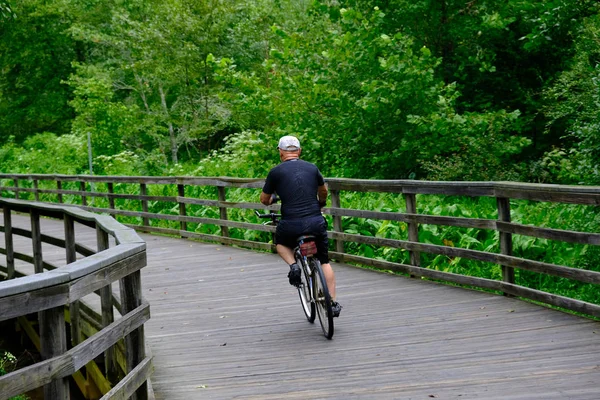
322,299
305,292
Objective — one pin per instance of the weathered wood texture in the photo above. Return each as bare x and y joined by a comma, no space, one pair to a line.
48,292
175,192
226,324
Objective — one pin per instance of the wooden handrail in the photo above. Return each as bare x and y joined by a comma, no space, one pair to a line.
50,292
183,214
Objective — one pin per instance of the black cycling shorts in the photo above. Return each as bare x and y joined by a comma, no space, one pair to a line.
288,231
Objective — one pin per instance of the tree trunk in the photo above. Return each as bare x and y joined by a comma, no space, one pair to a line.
142,92
163,101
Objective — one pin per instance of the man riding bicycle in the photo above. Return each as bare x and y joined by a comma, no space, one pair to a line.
302,190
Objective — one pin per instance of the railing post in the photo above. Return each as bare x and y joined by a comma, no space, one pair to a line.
8,240
337,220
111,199
16,189
36,241
71,253
82,188
59,188
36,192
110,364
413,227
223,211
508,273
53,336
182,212
143,193
131,298
53,342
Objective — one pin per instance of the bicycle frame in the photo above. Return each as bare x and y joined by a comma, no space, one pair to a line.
314,279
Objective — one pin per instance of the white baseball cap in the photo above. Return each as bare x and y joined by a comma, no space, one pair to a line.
289,143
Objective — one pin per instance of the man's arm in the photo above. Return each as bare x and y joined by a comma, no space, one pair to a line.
322,195
265,199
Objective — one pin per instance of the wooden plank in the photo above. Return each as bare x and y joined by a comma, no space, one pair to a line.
94,372
206,237
569,197
511,261
8,243
31,301
413,218
106,306
35,293
508,273
16,188
486,188
223,211
337,219
36,241
61,366
413,228
227,204
53,341
143,194
551,234
197,220
100,278
58,191
132,382
111,198
36,190
71,256
131,297
182,208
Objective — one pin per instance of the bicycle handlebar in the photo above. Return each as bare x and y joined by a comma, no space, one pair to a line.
273,216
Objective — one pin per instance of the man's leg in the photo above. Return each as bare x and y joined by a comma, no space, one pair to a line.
286,253
330,278
294,276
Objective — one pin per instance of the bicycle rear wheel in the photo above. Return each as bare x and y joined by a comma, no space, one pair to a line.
305,292
322,299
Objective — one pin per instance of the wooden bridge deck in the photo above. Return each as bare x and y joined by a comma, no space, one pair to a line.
225,324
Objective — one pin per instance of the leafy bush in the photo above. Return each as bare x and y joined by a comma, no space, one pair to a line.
45,153
8,363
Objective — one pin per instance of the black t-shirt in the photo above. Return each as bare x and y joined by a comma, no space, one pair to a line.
295,182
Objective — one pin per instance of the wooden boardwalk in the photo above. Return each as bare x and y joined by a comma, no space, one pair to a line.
225,324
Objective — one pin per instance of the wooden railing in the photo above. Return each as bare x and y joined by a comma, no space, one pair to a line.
54,292
187,197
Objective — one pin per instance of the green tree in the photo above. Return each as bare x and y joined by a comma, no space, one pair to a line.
502,55
572,107
157,57
364,102
35,56
6,11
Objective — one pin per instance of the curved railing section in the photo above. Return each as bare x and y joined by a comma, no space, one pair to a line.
55,293
178,206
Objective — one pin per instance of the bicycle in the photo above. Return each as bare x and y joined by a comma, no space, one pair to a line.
313,291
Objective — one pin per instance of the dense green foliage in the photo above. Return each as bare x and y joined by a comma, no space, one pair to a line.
440,90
